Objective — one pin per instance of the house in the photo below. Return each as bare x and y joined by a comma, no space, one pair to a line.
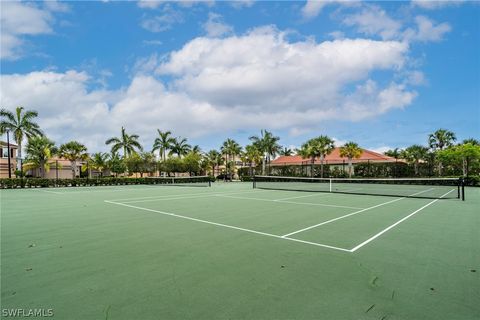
4,159
333,160
58,168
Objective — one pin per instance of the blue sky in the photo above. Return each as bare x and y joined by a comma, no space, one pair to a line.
382,74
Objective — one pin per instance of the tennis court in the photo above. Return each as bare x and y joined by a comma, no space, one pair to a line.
232,251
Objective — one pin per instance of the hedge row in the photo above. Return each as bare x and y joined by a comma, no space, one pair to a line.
84,182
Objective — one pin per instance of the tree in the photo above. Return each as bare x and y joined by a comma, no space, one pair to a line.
129,143
99,161
149,164
134,163
473,141
39,151
73,151
350,150
214,159
180,147
21,124
395,153
318,147
231,149
196,149
191,162
251,155
285,152
414,154
440,140
115,164
463,155
163,142
267,143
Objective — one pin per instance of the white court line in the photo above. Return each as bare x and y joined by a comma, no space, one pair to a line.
351,214
187,194
228,226
292,202
398,222
48,191
178,197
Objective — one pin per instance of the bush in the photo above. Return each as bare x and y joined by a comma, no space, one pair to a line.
79,182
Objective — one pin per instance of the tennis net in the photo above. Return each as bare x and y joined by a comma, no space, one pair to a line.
197,181
431,188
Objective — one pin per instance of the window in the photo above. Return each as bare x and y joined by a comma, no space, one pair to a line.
4,152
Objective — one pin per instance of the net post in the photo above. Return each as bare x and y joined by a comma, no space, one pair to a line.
463,188
330,186
254,182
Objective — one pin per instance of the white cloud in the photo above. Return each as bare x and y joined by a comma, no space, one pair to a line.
435,4
238,4
164,21
17,20
372,20
313,7
257,80
215,27
150,4
426,30
20,19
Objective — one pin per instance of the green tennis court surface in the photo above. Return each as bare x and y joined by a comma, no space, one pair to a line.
233,252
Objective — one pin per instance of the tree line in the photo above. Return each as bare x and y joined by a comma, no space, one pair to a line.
175,154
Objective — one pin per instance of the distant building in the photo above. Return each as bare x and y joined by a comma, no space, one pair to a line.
58,168
333,160
4,159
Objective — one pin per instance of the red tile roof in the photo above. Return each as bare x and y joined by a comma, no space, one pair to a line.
333,158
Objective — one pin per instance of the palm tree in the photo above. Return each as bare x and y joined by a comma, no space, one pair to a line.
251,155
180,147
99,162
163,142
73,151
472,141
39,151
21,124
267,143
285,152
196,149
231,149
414,154
214,159
126,142
439,140
318,147
350,150
394,153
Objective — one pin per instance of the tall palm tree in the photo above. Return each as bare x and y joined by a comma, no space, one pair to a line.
196,149
251,155
414,154
40,150
351,151
163,142
231,149
99,162
285,151
268,144
394,153
214,159
472,141
21,124
180,147
73,151
318,147
129,143
440,140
